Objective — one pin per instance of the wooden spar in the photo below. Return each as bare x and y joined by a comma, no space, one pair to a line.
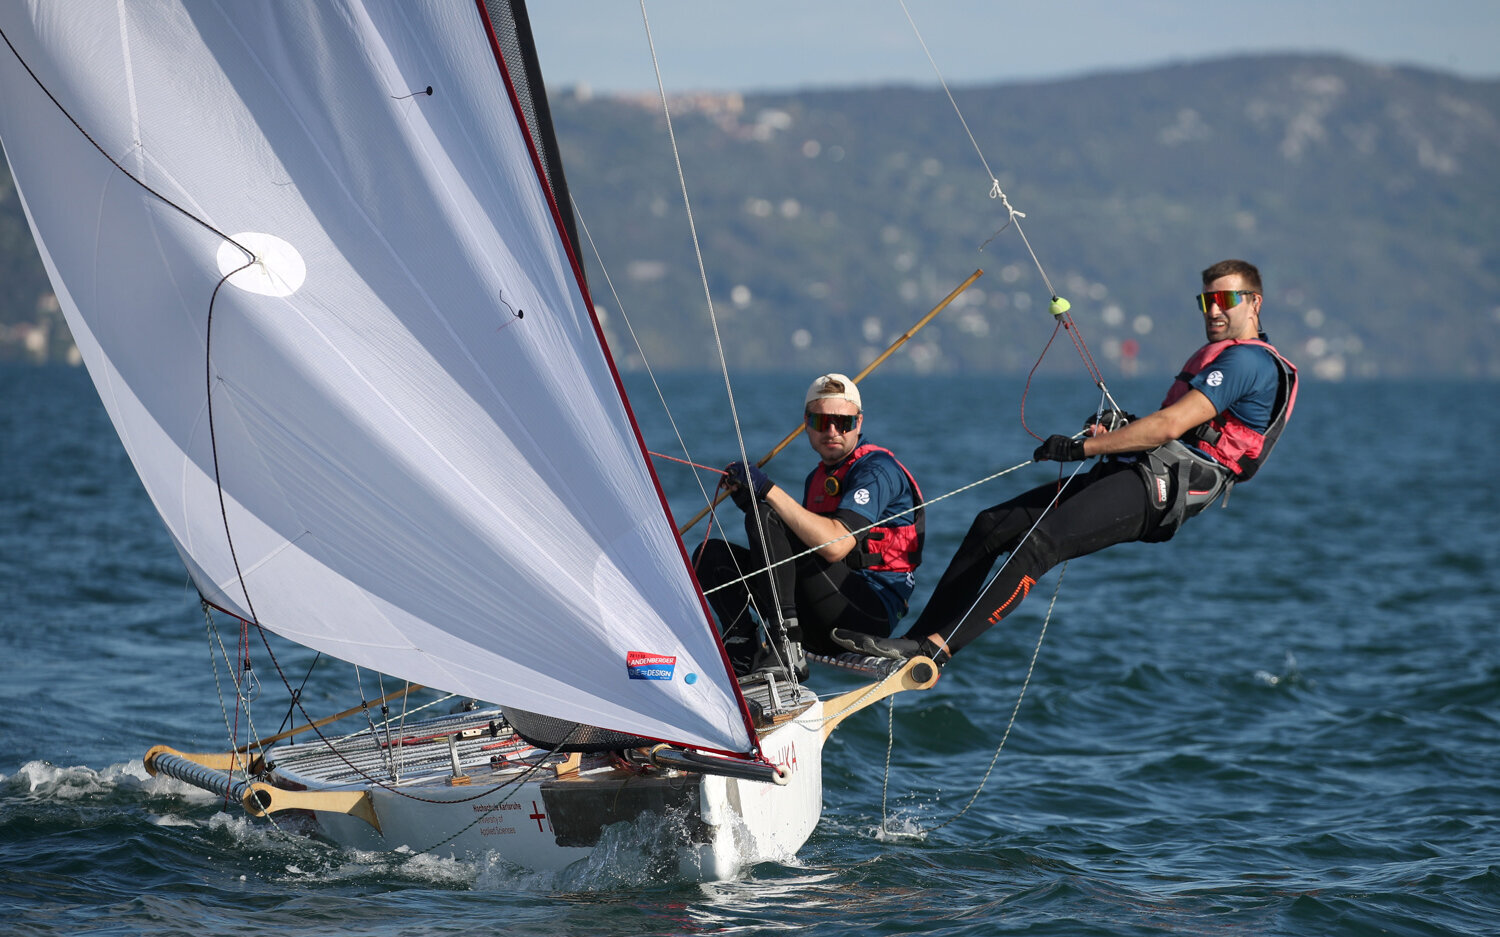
857,378
262,798
262,743
919,673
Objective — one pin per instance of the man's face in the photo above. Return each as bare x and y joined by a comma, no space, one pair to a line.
1239,321
829,443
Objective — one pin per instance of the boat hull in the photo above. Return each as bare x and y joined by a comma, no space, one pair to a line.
696,826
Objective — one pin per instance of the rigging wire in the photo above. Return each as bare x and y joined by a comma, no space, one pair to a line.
297,693
645,360
1059,306
1013,216
855,533
739,434
1016,709
661,397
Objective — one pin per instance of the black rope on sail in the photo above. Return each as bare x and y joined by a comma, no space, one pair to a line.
208,329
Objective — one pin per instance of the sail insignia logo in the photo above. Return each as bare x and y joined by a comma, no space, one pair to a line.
643,666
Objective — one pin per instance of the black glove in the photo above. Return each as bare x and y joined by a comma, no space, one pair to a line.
1110,419
1059,449
749,478
740,497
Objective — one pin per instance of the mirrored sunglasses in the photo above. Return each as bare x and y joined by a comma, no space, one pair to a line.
1224,299
839,422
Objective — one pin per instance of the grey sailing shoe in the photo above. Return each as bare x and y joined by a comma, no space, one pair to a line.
791,659
888,648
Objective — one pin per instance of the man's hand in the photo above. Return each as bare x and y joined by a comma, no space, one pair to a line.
1107,421
1059,449
748,478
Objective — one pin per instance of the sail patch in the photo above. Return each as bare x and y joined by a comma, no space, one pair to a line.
643,666
277,270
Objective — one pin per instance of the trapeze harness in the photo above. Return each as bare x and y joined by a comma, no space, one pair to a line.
1183,484
885,547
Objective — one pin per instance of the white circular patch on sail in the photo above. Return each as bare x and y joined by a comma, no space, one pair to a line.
278,270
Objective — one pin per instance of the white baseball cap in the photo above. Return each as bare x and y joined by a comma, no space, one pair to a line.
838,386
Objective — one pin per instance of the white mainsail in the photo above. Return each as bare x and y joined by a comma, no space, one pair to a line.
415,457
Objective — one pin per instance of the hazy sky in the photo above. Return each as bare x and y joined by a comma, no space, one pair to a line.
787,44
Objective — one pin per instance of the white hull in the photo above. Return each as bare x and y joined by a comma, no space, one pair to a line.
466,786
707,826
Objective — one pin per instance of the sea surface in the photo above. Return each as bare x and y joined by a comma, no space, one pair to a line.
1286,721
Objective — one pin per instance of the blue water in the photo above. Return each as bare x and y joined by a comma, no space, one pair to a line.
1285,721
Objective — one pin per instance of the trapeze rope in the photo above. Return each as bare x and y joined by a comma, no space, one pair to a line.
1013,216
1059,306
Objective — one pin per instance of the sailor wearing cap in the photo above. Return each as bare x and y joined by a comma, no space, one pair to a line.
860,581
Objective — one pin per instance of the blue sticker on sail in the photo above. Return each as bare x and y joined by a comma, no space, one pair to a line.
643,666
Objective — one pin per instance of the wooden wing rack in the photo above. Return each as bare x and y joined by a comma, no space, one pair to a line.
212,773
918,673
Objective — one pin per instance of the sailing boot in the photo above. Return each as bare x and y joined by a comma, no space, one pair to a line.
787,659
743,643
888,648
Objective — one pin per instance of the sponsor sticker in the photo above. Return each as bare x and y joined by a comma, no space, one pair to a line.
645,666
862,496
1214,379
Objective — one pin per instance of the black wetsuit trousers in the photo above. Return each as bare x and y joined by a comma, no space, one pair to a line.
1102,507
821,595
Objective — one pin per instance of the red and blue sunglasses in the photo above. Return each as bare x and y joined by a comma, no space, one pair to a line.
1224,299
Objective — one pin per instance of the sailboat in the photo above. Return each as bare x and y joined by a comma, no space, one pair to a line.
319,261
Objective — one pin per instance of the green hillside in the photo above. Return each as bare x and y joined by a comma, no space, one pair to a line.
830,221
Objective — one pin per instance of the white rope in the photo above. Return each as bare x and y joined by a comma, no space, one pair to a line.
640,349
1013,216
661,396
1011,555
214,636
890,745
241,761
1016,709
855,533
854,705
714,321
404,713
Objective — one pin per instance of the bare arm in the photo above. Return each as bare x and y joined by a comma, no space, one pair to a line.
810,528
1156,428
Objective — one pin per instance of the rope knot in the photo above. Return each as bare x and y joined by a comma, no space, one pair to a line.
997,192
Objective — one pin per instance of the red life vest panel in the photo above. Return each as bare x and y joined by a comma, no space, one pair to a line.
1231,442
884,547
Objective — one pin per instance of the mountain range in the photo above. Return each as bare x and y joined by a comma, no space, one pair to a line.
830,221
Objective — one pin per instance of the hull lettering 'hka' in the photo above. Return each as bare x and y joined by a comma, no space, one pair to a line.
318,260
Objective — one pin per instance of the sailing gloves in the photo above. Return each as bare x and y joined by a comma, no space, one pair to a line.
1059,449
1110,419
749,478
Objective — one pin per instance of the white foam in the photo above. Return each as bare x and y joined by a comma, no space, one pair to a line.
50,781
